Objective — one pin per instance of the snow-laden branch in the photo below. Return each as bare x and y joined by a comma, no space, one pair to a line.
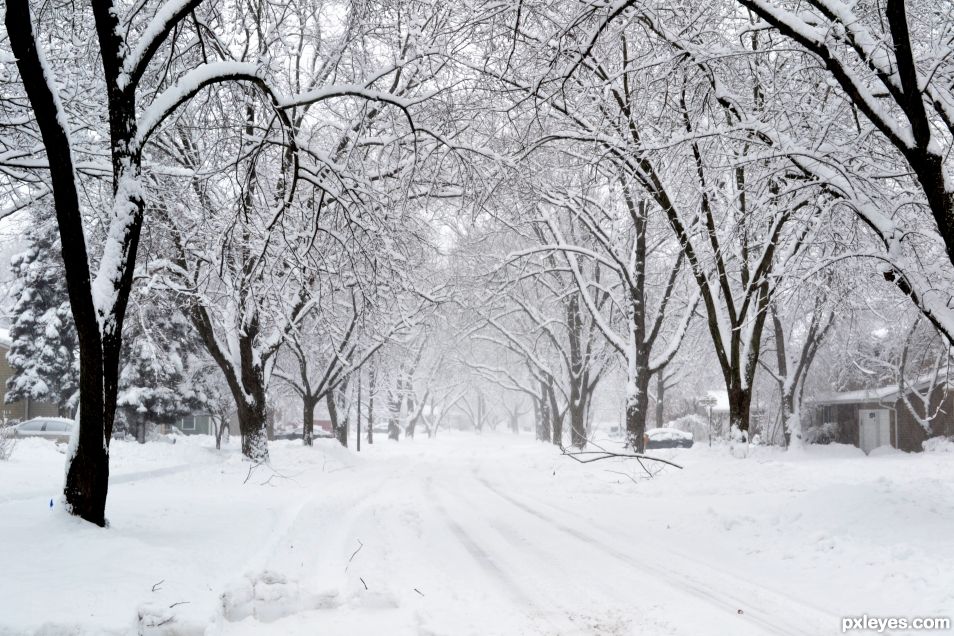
163,22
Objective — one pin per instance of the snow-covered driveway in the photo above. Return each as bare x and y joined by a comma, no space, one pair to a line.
480,535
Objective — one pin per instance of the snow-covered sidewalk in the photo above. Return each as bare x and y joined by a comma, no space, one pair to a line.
476,535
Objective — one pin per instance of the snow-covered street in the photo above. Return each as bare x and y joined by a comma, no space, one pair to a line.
468,534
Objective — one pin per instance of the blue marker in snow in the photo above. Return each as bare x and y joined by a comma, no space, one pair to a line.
51,504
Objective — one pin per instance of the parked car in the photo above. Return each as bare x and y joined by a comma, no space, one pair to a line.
668,438
316,433
57,429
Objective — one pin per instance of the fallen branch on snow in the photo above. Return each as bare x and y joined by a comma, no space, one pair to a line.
595,456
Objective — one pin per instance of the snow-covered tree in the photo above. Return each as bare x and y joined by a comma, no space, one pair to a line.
43,349
155,380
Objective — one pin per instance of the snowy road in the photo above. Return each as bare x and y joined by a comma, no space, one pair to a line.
461,536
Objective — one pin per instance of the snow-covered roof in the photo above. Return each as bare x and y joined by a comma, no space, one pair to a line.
881,394
885,394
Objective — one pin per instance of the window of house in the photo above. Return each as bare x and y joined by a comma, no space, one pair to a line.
188,423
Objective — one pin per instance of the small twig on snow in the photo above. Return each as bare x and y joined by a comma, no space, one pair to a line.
250,470
627,475
363,583
158,585
354,554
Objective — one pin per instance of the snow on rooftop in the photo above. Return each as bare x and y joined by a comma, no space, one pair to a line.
881,394
887,393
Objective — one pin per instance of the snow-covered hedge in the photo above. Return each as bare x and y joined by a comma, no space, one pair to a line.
824,433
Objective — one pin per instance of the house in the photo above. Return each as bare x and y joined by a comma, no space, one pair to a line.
196,424
869,418
22,409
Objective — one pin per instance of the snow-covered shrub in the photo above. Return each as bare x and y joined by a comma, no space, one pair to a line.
824,433
939,444
7,442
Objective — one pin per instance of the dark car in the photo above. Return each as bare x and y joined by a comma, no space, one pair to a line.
668,438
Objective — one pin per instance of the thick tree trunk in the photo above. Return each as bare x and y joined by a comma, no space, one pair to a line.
544,415
87,475
637,408
140,429
660,398
578,425
308,421
556,418
556,424
740,403
87,478
791,424
339,424
252,423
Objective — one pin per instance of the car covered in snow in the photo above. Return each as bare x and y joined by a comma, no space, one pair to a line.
57,429
668,438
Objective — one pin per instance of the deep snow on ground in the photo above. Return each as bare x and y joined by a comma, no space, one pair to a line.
481,535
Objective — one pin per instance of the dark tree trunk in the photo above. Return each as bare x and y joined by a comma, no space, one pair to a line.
556,418
556,424
637,409
253,425
338,428
542,407
394,429
660,398
740,403
87,478
308,420
577,425
140,423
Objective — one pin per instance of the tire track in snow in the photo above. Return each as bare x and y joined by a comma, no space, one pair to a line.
823,616
581,583
686,583
492,566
